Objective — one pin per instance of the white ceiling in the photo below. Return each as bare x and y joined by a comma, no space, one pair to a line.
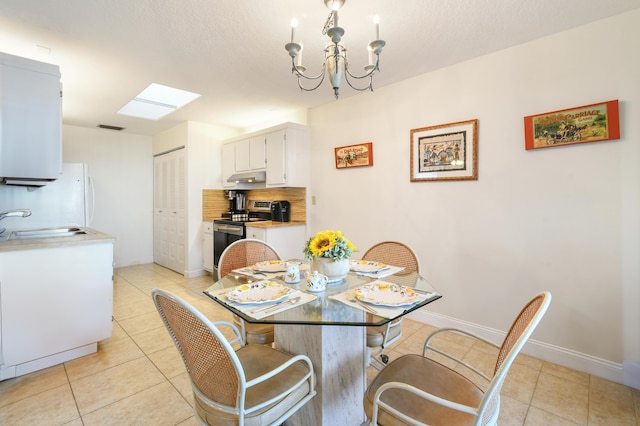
232,52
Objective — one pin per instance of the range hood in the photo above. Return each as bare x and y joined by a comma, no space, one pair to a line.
248,177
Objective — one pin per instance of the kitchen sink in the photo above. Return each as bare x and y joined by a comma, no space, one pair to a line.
48,233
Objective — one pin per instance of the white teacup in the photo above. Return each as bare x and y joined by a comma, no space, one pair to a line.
293,273
316,281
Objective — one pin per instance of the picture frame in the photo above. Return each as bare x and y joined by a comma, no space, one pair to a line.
445,152
587,123
358,155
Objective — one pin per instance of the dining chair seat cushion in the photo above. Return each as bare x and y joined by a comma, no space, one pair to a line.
256,334
427,375
257,360
259,334
375,335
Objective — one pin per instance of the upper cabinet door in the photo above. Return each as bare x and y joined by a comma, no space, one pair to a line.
30,118
277,155
257,155
243,159
228,164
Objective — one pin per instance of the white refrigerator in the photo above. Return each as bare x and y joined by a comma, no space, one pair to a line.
67,201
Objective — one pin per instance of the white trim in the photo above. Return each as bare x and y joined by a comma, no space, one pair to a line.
547,352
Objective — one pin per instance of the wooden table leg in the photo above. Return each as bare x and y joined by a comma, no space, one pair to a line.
338,355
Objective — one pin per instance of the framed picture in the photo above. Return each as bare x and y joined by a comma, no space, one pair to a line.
445,152
589,123
354,155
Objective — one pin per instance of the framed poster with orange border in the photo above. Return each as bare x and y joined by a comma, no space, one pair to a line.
354,155
588,123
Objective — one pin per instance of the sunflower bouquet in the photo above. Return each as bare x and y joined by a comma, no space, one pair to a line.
329,244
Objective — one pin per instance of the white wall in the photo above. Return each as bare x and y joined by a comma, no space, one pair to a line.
121,167
564,219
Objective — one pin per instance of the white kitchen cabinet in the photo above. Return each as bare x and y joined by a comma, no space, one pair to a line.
281,151
228,164
257,153
207,245
287,157
242,155
169,219
249,154
288,240
56,303
31,117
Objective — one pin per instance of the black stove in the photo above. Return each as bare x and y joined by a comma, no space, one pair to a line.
232,227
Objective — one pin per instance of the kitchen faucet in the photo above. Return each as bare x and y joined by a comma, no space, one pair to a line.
14,213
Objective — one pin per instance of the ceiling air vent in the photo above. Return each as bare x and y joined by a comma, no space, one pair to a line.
108,127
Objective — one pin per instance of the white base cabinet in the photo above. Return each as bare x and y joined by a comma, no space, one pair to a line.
56,303
288,241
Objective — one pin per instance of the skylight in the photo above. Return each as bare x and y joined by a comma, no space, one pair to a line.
156,101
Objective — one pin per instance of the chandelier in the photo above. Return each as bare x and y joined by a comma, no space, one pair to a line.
335,61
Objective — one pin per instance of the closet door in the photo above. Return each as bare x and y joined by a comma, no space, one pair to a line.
169,227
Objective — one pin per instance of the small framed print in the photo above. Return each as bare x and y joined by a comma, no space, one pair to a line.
354,155
588,123
445,152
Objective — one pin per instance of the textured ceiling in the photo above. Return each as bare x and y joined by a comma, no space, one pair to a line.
232,52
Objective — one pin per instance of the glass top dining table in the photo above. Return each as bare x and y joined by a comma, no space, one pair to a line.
328,307
329,327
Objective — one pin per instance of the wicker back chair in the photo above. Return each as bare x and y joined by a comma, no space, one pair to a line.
379,337
254,385
415,389
394,253
240,254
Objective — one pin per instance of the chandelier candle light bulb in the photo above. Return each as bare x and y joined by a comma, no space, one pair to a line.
376,21
294,24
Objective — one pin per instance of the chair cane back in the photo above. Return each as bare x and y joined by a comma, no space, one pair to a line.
240,254
378,338
255,385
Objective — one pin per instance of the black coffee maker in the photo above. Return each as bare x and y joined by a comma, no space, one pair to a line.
237,202
280,211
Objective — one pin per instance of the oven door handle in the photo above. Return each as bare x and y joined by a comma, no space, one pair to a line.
226,228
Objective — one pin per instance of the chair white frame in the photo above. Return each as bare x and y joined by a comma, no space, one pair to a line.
495,382
239,410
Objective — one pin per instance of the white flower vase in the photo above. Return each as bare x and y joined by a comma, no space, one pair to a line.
335,271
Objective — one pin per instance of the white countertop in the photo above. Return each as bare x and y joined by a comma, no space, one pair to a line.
36,243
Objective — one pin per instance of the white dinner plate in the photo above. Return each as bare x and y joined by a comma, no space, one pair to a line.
367,266
386,294
271,266
259,292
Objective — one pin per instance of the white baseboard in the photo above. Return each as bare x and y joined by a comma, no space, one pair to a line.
558,355
196,273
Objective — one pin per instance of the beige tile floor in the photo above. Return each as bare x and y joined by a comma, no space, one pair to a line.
137,377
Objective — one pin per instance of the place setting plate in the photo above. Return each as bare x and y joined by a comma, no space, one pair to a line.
382,293
259,292
367,266
271,266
